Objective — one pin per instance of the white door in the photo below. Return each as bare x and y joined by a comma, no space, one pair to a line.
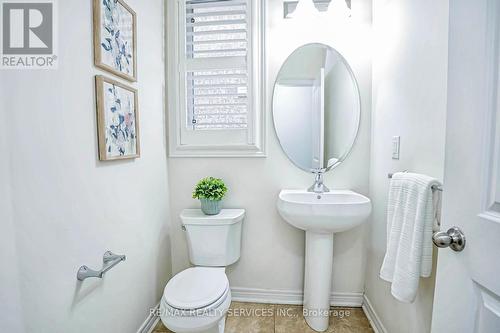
318,121
467,297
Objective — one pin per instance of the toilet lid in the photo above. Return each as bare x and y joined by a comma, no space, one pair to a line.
196,288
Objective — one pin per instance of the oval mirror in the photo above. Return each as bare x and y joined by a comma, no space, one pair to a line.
316,107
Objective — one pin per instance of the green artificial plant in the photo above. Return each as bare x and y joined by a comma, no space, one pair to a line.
210,188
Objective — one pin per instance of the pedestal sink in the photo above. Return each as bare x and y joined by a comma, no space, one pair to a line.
321,215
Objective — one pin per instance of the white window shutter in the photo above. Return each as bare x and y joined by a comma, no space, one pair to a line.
216,64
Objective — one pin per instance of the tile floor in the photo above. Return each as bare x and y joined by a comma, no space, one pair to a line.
270,318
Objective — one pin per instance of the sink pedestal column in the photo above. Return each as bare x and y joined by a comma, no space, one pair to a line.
318,279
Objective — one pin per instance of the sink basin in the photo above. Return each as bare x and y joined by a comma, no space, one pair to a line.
329,212
321,215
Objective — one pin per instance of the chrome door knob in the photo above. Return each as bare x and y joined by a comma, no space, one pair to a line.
453,238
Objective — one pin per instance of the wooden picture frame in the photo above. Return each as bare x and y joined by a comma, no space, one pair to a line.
112,38
117,120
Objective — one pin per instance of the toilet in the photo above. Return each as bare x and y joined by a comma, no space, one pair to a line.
198,298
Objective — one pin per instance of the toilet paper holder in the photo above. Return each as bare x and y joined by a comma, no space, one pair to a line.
109,260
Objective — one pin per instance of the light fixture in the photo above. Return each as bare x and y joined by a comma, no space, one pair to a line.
338,10
303,8
311,8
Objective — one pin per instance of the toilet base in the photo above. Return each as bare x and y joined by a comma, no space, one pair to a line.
219,328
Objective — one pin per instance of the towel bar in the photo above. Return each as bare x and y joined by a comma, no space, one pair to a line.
434,187
109,260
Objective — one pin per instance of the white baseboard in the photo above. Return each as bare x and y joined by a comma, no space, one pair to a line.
150,323
372,316
254,295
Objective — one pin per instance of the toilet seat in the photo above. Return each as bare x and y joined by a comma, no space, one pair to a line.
197,288
196,300
202,320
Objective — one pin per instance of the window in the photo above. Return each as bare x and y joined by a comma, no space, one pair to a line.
215,77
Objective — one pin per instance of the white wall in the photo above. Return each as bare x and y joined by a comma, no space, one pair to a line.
409,99
10,297
272,251
67,207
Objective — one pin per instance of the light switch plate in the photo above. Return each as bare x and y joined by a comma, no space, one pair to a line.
396,145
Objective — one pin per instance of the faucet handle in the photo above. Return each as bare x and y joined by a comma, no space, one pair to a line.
318,186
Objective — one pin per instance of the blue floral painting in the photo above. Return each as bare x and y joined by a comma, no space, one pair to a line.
116,44
119,121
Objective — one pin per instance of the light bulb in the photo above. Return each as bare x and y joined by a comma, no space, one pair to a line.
337,10
305,8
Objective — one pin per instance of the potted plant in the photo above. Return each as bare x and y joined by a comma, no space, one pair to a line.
210,192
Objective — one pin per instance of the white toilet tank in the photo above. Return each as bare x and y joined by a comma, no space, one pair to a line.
213,240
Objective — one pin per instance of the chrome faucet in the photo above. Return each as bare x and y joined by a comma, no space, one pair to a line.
318,186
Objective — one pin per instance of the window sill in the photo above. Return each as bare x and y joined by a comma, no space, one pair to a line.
217,151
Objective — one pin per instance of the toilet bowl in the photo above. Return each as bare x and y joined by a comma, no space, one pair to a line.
198,298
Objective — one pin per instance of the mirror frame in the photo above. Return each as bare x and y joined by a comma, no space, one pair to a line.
357,102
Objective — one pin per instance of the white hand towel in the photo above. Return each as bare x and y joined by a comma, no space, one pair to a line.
411,216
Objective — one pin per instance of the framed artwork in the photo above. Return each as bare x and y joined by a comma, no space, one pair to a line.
117,120
115,38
